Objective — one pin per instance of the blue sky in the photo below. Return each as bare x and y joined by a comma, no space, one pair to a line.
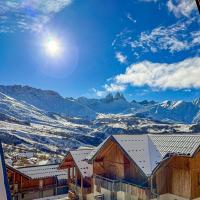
147,49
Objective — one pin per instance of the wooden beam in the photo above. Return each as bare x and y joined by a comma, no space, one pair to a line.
68,172
82,186
21,182
72,174
76,177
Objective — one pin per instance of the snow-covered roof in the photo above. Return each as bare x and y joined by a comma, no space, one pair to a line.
43,171
4,187
147,151
79,157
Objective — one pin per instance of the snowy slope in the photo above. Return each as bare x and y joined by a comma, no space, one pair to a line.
174,111
29,127
48,100
110,104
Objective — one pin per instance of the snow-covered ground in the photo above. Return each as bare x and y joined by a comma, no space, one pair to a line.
26,127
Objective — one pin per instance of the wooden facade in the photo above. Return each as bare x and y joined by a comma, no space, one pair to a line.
114,171
180,175
79,185
24,188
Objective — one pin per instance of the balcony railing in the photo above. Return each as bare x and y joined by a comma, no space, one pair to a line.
109,184
120,185
16,189
77,189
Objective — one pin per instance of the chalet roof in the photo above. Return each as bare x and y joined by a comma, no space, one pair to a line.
79,157
42,171
147,151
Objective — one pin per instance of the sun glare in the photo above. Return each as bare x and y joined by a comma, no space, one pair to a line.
53,47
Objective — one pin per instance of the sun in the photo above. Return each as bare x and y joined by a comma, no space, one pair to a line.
53,47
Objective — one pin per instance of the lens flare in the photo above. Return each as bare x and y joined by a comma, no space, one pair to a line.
53,47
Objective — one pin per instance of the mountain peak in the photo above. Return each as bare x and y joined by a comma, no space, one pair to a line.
119,96
109,97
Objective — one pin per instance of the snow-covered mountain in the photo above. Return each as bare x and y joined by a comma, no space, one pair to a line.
29,127
174,111
109,105
50,101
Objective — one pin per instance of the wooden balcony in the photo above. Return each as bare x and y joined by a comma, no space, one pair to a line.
78,190
122,185
16,189
109,184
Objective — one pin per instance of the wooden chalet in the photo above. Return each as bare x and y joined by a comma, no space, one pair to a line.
79,174
143,167
34,182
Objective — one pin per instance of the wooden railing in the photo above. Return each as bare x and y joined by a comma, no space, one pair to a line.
17,189
109,184
77,189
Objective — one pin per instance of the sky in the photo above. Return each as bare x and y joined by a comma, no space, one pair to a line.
145,49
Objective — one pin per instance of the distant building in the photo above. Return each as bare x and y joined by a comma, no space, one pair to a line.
27,183
79,174
25,155
143,167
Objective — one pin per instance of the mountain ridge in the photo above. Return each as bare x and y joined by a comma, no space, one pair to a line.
51,101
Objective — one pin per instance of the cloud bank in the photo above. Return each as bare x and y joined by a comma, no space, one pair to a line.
181,75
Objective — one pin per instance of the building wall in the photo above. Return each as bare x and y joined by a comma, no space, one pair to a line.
175,178
30,188
180,176
113,163
195,176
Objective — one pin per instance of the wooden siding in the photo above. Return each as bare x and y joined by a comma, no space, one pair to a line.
180,176
20,184
113,163
81,186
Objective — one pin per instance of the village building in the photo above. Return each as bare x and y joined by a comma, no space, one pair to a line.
143,167
79,174
27,183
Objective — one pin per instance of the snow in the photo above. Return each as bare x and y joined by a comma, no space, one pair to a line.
148,150
34,128
79,157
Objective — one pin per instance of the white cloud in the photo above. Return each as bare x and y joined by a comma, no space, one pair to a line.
181,7
114,87
173,38
99,93
181,75
120,57
109,88
28,14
